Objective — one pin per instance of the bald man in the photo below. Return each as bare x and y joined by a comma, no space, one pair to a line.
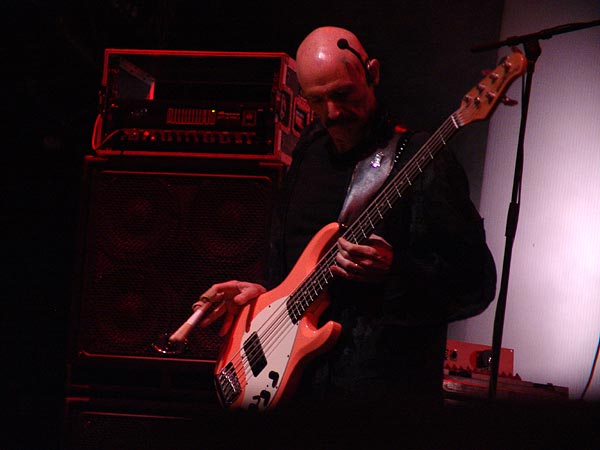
427,262
339,89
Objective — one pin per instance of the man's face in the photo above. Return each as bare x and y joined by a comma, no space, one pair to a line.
339,95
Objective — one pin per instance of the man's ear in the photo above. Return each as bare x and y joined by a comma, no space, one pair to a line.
373,69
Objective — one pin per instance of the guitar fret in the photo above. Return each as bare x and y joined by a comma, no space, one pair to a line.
320,285
297,310
454,121
307,301
315,290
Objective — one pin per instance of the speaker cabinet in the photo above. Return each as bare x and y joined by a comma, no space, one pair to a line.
101,424
135,424
155,234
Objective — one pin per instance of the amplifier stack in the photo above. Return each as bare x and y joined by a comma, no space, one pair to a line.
189,150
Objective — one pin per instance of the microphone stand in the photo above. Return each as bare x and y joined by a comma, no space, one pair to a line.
533,50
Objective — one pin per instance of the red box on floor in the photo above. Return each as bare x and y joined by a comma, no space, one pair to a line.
469,357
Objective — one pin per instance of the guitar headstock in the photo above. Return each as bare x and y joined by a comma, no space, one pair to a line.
481,100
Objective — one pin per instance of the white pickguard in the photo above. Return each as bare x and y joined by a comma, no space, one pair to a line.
277,348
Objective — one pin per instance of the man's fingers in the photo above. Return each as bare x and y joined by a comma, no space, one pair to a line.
227,299
214,315
226,325
349,274
247,293
376,253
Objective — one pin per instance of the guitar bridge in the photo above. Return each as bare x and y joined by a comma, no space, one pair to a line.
228,385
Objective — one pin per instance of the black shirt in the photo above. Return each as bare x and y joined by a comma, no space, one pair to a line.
316,197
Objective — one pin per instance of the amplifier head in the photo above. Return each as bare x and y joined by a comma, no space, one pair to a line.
193,103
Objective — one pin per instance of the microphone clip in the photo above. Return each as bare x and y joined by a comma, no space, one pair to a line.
344,45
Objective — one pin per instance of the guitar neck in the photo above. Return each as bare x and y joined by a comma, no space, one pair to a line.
359,231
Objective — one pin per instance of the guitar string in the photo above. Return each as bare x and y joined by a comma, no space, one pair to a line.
272,335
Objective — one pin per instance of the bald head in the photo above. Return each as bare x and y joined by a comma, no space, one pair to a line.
319,52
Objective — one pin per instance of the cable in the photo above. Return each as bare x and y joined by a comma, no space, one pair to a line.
590,378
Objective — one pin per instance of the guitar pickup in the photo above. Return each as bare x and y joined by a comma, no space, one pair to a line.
255,354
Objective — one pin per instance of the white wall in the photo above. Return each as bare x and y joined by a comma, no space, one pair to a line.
553,299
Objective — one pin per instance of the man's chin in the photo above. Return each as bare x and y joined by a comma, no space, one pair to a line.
341,147
343,143
346,137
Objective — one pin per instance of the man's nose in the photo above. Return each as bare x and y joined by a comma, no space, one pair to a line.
333,111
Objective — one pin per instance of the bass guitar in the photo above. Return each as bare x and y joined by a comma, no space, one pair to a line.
273,338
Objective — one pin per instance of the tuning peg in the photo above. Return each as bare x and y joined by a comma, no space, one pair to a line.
490,73
509,101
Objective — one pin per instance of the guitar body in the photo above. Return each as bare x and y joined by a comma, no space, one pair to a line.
287,346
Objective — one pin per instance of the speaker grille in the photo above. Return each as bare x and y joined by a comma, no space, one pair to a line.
154,241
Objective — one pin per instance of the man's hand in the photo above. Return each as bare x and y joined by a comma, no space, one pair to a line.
368,263
228,298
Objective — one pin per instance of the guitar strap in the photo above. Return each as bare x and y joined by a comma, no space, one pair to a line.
369,175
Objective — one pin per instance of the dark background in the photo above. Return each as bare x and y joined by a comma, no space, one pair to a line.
53,54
